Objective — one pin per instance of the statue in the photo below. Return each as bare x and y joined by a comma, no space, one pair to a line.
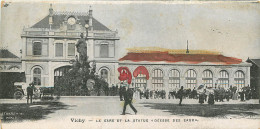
82,49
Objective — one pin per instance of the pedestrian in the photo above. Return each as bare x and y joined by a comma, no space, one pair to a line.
205,96
128,97
211,99
151,94
242,95
221,94
228,94
216,92
121,90
180,94
29,90
201,96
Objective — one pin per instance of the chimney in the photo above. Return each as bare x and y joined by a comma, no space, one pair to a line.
50,15
90,17
187,51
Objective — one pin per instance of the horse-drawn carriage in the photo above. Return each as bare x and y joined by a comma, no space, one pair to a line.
43,93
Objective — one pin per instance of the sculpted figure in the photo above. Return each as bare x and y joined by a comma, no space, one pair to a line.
82,49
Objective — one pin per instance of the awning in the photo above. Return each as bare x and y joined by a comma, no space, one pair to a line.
125,74
141,70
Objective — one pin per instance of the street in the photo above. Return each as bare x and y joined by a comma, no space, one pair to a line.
110,107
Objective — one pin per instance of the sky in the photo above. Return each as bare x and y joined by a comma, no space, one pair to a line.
232,28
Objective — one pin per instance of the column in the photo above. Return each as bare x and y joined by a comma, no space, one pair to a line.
166,85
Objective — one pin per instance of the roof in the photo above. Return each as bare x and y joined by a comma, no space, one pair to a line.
4,53
256,62
58,18
174,58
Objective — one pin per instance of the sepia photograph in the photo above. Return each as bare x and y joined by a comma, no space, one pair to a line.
130,64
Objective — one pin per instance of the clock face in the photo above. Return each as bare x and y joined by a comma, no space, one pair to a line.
71,20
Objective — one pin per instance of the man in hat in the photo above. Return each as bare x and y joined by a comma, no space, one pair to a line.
180,94
29,90
128,97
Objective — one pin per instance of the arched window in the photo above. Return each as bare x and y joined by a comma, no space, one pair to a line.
104,74
191,78
37,76
207,78
223,79
157,79
140,81
239,79
174,79
60,72
37,48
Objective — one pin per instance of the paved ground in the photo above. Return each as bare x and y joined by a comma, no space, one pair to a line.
58,114
111,106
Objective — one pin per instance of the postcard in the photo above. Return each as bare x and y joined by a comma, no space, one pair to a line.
130,64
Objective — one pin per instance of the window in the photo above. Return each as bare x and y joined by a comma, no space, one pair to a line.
157,79
104,50
71,49
223,79
174,79
239,79
104,74
37,76
60,72
140,81
37,48
191,79
59,50
207,78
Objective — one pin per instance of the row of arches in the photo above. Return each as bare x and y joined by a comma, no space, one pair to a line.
157,77
191,79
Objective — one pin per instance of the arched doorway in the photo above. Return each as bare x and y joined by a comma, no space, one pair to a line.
174,79
207,78
157,79
60,72
239,79
191,79
141,75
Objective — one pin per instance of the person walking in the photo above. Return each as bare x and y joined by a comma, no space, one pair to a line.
211,99
180,94
29,90
128,96
201,97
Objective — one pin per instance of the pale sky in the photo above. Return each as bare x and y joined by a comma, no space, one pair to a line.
232,28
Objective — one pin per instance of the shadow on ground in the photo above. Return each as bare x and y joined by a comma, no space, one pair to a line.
35,111
205,110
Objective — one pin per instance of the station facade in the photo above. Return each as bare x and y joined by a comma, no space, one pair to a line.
49,45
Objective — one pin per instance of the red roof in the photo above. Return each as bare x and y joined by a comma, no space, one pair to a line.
187,58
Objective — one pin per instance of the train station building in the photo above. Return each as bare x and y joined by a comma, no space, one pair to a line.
48,46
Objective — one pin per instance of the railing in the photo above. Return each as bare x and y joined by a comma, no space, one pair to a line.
44,32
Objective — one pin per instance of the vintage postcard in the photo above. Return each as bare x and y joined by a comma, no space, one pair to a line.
130,64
